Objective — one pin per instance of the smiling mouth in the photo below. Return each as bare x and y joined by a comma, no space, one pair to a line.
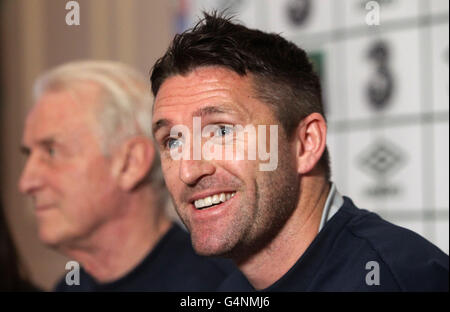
213,200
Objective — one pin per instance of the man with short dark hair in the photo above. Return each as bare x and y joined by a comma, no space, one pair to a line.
222,92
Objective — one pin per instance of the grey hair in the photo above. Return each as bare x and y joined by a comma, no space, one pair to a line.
126,108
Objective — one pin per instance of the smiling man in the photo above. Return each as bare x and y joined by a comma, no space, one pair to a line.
287,228
96,183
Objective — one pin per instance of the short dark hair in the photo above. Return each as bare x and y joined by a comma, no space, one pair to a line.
282,75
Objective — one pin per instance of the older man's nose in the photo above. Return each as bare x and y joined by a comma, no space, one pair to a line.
31,177
191,171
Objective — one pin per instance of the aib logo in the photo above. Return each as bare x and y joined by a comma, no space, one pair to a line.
298,11
381,83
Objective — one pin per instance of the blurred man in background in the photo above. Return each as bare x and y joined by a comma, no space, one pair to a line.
12,271
97,187
287,228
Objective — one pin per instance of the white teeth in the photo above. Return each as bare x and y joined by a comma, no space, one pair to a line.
212,200
208,201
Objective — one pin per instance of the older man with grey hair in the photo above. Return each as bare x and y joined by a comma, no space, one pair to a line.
96,183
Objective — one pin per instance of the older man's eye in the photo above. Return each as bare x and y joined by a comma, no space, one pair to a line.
51,151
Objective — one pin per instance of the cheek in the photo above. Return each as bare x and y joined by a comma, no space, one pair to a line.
245,170
91,181
170,170
98,193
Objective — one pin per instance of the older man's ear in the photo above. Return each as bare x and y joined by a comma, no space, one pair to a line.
310,139
133,162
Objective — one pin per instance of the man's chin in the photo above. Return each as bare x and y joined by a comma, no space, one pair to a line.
214,253
212,248
51,239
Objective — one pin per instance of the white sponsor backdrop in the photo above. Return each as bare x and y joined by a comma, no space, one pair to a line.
386,91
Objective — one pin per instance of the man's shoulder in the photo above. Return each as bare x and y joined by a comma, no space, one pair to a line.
386,237
413,262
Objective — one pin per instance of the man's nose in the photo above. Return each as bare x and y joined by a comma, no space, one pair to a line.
31,177
191,171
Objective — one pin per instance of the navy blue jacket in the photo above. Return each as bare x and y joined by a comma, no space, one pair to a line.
172,265
353,247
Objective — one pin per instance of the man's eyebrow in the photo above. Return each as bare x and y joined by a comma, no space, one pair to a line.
47,142
203,111
208,110
160,124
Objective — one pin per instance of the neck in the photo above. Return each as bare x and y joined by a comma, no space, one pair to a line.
117,246
268,265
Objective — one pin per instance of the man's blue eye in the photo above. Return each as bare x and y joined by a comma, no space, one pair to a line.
173,143
224,130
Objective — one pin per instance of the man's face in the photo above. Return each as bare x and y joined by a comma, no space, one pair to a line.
257,203
66,175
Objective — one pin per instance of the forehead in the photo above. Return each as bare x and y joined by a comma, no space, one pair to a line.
202,86
61,113
203,78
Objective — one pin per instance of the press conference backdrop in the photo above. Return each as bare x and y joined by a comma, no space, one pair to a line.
385,73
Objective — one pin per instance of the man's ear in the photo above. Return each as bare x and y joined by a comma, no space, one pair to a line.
133,162
310,137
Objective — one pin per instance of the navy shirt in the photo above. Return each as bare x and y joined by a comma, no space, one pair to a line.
172,265
358,251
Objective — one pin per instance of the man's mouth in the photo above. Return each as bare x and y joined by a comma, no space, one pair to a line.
213,200
42,207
